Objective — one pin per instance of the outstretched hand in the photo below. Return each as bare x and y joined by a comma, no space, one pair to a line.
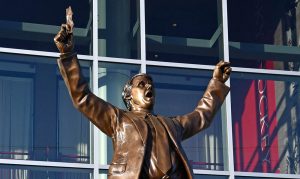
222,71
64,40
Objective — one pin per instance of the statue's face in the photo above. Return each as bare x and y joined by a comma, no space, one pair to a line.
142,94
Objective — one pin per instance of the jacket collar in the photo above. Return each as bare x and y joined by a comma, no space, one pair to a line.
140,126
137,120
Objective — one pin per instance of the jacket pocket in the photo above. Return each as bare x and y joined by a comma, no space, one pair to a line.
117,168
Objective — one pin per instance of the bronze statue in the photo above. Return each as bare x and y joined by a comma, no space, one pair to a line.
145,145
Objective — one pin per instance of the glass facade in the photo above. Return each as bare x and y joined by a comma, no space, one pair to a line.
263,34
36,112
119,29
266,126
32,25
184,32
254,135
19,172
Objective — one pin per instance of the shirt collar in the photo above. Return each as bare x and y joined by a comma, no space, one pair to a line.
143,114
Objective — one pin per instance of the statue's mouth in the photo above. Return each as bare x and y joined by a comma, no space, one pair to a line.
149,94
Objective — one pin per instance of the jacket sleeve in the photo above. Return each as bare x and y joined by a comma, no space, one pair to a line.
99,112
207,107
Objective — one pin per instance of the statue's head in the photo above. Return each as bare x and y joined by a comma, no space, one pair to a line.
138,93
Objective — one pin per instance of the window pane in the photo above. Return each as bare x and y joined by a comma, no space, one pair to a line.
119,28
73,146
24,172
33,24
266,123
264,34
177,93
210,177
36,112
251,178
188,32
112,78
103,174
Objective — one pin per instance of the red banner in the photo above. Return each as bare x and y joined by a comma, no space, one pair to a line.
255,135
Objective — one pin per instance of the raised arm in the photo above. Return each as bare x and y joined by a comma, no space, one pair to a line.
209,104
99,112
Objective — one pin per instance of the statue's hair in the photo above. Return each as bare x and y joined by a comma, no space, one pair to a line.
127,89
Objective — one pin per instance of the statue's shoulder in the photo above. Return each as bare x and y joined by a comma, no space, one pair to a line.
123,112
128,114
168,118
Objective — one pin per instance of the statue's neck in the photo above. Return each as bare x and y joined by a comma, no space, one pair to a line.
140,110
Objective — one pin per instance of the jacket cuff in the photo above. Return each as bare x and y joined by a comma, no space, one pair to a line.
216,84
67,55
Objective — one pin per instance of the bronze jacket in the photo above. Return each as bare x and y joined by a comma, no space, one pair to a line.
127,131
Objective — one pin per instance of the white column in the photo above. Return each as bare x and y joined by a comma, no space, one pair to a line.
102,143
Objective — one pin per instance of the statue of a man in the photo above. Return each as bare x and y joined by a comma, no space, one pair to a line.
146,145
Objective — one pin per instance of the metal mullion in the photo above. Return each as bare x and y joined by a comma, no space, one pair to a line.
119,60
180,65
143,36
85,57
211,172
265,71
29,52
39,53
229,136
95,87
266,175
103,167
46,164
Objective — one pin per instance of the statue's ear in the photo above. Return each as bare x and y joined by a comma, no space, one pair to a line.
128,102
126,94
128,97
